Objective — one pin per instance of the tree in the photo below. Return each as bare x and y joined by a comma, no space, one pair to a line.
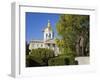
27,49
74,34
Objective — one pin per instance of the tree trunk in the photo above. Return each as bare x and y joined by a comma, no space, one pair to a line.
81,43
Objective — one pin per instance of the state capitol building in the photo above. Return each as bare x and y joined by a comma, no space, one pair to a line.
47,42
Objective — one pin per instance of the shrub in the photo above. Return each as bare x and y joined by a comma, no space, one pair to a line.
34,61
61,60
42,53
39,57
56,61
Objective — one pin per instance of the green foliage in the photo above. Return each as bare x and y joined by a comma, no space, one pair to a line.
56,61
71,28
27,49
34,61
61,60
45,57
39,57
42,53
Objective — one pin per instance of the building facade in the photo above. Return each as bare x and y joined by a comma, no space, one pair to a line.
47,42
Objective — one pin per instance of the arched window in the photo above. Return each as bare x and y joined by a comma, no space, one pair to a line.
49,35
46,35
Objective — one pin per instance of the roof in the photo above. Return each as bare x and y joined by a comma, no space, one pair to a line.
38,41
42,41
50,41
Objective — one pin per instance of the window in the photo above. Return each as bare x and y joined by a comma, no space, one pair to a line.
32,45
49,35
41,45
37,45
46,35
53,45
48,45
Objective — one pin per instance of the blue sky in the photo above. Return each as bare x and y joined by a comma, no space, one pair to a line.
36,22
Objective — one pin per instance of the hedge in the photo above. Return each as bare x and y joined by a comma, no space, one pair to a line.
34,61
45,57
39,57
42,53
61,60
